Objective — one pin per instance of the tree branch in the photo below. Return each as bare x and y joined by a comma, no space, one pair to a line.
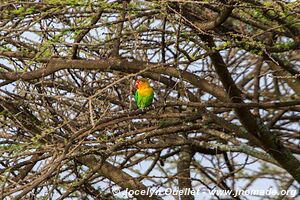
113,63
270,142
116,175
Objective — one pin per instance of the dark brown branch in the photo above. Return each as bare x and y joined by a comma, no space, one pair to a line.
117,43
270,142
81,35
191,13
183,174
263,105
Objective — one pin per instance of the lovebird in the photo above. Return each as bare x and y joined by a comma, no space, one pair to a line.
144,94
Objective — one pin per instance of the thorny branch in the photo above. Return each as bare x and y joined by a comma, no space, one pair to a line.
226,82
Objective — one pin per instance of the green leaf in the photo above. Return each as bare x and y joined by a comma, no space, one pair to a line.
18,11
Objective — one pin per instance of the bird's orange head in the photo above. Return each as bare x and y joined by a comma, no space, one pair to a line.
141,83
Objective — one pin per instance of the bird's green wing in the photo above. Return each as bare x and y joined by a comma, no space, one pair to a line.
147,100
137,99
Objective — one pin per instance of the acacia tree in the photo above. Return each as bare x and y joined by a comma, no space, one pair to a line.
226,81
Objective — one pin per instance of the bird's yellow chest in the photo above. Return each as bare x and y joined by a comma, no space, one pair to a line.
145,91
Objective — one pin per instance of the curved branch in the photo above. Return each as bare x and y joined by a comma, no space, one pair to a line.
189,13
118,64
221,18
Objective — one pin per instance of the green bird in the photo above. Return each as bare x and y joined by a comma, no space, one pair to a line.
144,94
